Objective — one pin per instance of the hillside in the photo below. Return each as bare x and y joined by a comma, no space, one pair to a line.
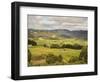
82,34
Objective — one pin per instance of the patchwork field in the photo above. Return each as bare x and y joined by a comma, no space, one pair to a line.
47,51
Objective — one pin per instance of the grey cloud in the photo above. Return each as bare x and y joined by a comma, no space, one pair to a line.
57,22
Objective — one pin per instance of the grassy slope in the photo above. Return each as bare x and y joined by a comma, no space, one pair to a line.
61,41
65,52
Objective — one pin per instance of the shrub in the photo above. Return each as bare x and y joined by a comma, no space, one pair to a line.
83,54
45,45
52,59
60,58
32,42
73,59
66,46
77,46
54,46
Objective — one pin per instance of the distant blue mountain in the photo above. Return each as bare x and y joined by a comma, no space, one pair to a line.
64,33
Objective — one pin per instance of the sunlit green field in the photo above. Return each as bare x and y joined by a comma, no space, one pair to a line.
43,54
41,41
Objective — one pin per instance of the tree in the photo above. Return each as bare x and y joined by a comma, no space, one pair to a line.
83,55
29,56
77,46
31,42
74,46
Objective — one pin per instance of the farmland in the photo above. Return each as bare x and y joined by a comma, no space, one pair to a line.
55,50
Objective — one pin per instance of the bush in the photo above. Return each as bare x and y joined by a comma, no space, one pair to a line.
75,46
83,55
54,46
60,58
52,59
32,42
45,45
66,46
73,59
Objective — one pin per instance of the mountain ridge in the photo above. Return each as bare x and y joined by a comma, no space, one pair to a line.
63,33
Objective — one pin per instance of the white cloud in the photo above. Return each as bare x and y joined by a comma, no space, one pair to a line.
57,22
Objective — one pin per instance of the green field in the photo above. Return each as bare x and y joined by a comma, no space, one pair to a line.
63,51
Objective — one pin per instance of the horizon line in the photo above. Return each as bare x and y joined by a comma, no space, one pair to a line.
60,29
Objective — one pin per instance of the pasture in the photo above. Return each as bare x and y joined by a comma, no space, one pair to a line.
63,51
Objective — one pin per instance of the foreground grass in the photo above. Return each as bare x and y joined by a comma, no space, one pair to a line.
66,53
39,52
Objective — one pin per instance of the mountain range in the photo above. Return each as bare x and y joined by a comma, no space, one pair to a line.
59,33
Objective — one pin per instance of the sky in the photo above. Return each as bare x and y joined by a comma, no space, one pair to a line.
42,22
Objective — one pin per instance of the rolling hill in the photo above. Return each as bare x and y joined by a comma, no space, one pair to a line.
82,34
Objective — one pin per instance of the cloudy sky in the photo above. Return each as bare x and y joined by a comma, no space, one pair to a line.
57,22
